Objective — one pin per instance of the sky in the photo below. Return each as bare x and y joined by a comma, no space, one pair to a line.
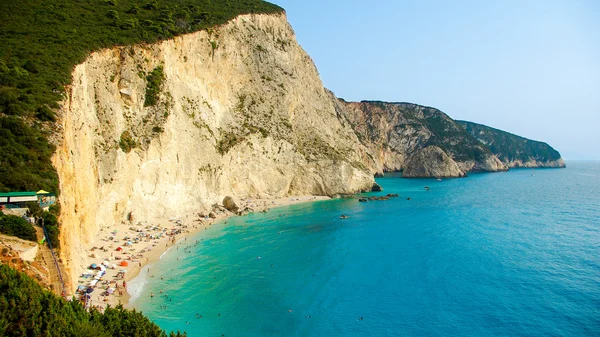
528,67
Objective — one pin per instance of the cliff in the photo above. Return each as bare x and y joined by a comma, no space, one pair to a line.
513,150
159,130
237,110
419,140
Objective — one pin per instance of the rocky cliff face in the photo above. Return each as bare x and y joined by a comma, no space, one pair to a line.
240,110
513,150
421,141
156,131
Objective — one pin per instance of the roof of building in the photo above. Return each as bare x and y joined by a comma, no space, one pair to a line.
17,194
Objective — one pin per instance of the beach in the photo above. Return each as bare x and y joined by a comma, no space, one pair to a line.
121,251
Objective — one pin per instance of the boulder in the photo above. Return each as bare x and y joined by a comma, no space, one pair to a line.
230,204
431,162
376,188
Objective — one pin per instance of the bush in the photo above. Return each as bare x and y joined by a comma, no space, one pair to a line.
17,226
52,228
153,86
127,143
34,209
157,129
25,158
28,310
54,209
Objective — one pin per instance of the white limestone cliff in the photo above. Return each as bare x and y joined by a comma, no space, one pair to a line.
241,112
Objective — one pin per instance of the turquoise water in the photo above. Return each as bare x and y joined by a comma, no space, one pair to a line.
502,254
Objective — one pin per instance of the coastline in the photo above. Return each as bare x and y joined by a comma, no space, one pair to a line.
154,240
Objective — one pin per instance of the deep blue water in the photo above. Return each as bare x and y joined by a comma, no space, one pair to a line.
502,254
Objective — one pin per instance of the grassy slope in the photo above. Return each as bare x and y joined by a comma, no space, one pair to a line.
42,40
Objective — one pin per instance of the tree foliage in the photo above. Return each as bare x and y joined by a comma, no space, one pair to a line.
28,310
52,228
25,157
509,147
17,226
154,82
42,40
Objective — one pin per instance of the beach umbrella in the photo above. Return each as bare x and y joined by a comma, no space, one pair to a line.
94,266
110,290
114,266
119,249
123,264
106,263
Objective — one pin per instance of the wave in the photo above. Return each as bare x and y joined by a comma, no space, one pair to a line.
135,287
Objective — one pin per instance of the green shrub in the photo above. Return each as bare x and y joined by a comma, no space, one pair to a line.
25,158
28,310
17,226
52,228
34,209
157,129
54,209
153,86
127,143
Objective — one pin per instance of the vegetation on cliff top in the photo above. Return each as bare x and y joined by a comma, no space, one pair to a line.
25,157
42,40
28,310
509,147
16,226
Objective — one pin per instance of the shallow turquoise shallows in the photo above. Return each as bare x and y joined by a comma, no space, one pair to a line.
501,254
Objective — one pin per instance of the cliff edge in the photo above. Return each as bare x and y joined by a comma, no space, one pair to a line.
154,131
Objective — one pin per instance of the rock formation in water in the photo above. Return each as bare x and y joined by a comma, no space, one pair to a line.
513,150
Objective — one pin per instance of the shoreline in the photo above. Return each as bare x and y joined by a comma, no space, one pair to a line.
120,260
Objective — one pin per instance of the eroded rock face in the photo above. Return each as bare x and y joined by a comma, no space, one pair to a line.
397,133
241,112
432,162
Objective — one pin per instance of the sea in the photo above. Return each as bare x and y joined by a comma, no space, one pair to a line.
496,254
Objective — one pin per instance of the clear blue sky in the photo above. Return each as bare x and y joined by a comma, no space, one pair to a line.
528,67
